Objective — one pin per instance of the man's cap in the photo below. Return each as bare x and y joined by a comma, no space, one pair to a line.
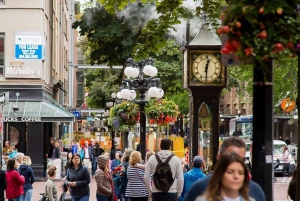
19,155
198,161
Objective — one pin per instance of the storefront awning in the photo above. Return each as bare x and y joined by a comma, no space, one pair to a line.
35,112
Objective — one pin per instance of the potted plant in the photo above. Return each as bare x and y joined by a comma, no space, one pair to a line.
123,115
161,112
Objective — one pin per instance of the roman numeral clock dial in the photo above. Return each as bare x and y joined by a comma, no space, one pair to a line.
207,68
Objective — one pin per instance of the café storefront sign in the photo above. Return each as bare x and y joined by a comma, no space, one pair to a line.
22,119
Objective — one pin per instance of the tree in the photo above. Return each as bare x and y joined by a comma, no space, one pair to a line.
285,80
169,13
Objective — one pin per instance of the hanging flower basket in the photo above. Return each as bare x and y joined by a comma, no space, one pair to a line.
261,29
124,114
161,112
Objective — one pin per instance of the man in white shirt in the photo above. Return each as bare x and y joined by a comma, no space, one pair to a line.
177,174
88,156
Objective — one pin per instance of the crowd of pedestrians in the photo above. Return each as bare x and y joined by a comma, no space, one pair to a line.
126,177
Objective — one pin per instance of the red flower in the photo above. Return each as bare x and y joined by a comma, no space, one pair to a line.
262,34
117,169
248,51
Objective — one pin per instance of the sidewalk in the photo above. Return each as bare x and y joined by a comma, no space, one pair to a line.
39,187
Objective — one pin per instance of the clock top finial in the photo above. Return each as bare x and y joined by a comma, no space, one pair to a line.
206,35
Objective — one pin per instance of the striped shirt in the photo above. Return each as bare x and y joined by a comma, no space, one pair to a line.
135,186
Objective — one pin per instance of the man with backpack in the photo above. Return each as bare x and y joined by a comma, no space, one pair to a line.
167,174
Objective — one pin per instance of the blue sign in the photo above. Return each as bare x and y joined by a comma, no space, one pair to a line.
29,52
29,45
77,114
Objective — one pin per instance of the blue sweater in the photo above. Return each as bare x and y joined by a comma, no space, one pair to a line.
27,172
199,187
191,177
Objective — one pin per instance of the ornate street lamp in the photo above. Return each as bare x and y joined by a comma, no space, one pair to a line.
136,82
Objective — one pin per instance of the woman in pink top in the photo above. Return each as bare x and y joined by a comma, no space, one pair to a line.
286,161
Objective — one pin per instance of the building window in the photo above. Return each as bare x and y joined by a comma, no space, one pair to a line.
2,2
1,53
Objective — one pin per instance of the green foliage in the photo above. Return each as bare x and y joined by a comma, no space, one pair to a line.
181,98
101,83
212,8
285,80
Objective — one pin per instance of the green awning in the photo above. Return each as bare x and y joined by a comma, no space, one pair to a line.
36,111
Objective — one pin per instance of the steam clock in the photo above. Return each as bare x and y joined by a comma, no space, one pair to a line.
204,77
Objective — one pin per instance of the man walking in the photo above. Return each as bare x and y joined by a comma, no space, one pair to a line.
88,156
97,151
167,186
231,144
193,175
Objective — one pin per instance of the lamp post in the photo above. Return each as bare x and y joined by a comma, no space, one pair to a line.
136,82
109,105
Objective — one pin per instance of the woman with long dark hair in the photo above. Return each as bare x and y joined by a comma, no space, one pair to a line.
230,180
14,181
292,186
78,179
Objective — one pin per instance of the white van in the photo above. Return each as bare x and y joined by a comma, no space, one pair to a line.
277,155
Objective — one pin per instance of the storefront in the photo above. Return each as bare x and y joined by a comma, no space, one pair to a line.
30,127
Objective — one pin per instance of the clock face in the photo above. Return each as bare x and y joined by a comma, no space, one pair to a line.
206,68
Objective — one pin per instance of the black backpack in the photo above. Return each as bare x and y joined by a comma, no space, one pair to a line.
163,178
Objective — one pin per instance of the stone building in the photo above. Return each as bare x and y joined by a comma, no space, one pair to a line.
35,56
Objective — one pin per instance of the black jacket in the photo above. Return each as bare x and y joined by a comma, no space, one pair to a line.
97,150
2,181
56,152
82,178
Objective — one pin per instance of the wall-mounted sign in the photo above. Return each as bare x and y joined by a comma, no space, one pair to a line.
29,45
25,119
17,70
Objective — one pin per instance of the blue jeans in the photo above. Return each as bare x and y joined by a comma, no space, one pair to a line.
94,165
125,198
26,196
102,198
84,198
16,199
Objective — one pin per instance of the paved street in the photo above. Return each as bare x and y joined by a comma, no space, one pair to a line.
39,187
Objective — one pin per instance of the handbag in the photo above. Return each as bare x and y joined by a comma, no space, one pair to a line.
44,198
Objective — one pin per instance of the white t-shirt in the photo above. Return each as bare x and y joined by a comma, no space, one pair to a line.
230,199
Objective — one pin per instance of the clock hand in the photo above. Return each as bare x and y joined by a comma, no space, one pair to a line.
206,68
